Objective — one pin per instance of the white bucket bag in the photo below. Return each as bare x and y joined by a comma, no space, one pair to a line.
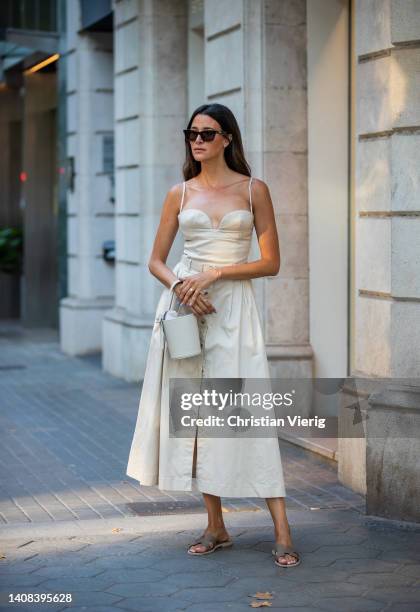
180,331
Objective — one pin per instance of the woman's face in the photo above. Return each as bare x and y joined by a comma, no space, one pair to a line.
201,150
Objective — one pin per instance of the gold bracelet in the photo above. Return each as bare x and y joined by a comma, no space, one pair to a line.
218,272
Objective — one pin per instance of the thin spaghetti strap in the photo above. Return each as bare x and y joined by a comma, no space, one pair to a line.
250,194
183,194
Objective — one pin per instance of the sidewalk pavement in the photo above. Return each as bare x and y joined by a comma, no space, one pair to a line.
72,522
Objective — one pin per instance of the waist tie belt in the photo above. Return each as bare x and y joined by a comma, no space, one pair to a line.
195,264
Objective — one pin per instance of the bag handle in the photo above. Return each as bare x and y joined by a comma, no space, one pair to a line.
170,302
163,315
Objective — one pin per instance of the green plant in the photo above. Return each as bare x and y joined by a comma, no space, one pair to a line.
11,250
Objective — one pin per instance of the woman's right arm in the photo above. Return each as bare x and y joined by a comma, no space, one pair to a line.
165,236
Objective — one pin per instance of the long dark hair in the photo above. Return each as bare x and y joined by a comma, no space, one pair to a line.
234,152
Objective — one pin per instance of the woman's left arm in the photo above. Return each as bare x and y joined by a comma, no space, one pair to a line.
268,240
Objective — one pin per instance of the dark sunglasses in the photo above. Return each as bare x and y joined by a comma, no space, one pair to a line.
206,135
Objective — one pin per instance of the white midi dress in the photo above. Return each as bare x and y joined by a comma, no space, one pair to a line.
233,347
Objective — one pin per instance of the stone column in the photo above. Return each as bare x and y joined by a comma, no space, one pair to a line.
150,113
90,207
387,300
275,91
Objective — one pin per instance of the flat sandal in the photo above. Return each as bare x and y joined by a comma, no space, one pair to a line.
279,551
211,542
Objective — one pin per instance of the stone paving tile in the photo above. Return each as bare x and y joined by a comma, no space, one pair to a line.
25,581
358,566
140,589
88,584
389,594
376,579
240,607
217,595
153,604
404,607
409,570
322,558
133,574
342,552
65,571
350,604
335,589
19,569
199,579
103,608
126,563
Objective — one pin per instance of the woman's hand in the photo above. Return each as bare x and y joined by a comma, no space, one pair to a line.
192,291
201,306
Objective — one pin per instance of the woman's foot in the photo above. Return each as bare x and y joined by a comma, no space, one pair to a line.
282,556
220,534
284,541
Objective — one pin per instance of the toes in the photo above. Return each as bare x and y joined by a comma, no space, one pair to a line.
287,559
197,548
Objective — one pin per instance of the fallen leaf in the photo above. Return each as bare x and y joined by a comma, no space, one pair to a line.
260,604
264,595
2,556
116,529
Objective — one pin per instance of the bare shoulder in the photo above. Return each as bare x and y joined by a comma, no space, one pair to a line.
174,196
175,191
260,190
259,186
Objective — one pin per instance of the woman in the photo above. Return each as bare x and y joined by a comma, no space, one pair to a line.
216,208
